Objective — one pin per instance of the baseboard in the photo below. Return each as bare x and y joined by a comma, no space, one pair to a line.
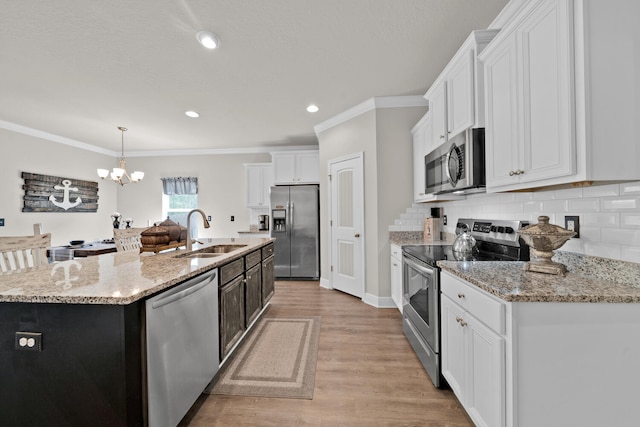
325,283
379,302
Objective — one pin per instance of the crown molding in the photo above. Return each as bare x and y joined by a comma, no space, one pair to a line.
154,153
55,138
371,104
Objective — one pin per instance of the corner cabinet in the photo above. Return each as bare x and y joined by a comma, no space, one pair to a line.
299,167
554,114
258,180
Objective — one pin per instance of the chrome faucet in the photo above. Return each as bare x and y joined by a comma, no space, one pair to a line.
206,225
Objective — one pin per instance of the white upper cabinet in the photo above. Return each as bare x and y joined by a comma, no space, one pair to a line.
259,178
300,167
455,98
460,99
437,97
420,132
530,134
558,107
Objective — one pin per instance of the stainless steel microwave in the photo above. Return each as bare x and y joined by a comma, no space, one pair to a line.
458,165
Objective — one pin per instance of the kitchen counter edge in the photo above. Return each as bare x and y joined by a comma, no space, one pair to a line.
93,285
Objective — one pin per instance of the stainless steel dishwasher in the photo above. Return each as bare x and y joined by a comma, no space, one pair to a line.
182,347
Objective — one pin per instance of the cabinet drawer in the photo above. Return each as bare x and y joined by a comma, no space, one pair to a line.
267,251
396,251
253,258
231,270
475,301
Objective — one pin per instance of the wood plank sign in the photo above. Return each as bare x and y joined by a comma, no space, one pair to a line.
46,193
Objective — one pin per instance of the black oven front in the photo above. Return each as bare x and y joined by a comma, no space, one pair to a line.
421,312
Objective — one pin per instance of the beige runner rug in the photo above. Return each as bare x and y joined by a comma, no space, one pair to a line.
277,359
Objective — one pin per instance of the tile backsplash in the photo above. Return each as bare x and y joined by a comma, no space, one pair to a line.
609,215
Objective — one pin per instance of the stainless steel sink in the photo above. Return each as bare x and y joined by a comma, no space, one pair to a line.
199,255
211,251
220,249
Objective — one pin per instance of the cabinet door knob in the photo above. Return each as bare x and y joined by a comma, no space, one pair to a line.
460,295
356,235
461,321
441,136
511,173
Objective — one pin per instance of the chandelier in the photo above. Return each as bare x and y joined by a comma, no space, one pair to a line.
120,175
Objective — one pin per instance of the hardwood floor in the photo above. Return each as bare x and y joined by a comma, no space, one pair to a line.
367,372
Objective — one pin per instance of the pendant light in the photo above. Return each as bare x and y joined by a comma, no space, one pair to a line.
120,175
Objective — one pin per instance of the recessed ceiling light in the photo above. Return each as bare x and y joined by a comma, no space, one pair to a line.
208,39
312,108
193,114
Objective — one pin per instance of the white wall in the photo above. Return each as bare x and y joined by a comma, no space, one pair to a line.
384,136
22,153
221,190
221,182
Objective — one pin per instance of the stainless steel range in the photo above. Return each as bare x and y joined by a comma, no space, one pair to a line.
496,240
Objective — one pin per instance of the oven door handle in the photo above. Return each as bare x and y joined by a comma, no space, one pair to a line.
418,266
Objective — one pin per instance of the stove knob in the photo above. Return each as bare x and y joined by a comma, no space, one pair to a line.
493,228
500,229
508,230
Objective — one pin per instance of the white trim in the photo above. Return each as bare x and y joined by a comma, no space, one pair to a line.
205,151
55,138
379,302
371,104
325,283
153,153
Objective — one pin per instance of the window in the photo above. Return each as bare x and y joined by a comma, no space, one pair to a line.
177,206
180,195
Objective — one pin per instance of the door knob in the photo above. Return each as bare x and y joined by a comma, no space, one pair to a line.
357,235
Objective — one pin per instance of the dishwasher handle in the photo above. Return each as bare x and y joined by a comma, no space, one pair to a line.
192,286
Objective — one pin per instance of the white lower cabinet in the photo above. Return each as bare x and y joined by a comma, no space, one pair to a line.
396,275
532,364
473,361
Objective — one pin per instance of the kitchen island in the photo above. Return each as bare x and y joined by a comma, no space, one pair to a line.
529,349
87,364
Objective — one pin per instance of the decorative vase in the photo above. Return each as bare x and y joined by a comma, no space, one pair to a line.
544,238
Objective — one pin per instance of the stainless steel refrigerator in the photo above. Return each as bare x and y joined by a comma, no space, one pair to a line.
295,224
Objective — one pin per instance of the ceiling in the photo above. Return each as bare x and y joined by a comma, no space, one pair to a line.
78,69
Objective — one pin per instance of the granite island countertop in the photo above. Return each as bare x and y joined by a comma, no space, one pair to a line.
116,278
509,282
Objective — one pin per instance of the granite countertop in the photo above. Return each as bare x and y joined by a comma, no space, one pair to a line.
508,281
116,278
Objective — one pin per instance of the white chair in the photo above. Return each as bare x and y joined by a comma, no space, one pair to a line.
127,239
23,251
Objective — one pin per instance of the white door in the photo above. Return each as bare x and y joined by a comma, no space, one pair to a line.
347,224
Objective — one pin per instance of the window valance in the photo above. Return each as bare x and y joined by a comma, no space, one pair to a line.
179,185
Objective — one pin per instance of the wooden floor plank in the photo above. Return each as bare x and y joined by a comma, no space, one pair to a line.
367,373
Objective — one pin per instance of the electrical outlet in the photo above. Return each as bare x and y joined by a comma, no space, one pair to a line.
29,341
444,220
233,218
572,223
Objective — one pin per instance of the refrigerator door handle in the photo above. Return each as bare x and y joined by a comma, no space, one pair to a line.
291,218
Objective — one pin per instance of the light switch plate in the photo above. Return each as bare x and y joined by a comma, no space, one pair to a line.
1,222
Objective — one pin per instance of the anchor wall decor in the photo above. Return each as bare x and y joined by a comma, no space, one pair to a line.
46,193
